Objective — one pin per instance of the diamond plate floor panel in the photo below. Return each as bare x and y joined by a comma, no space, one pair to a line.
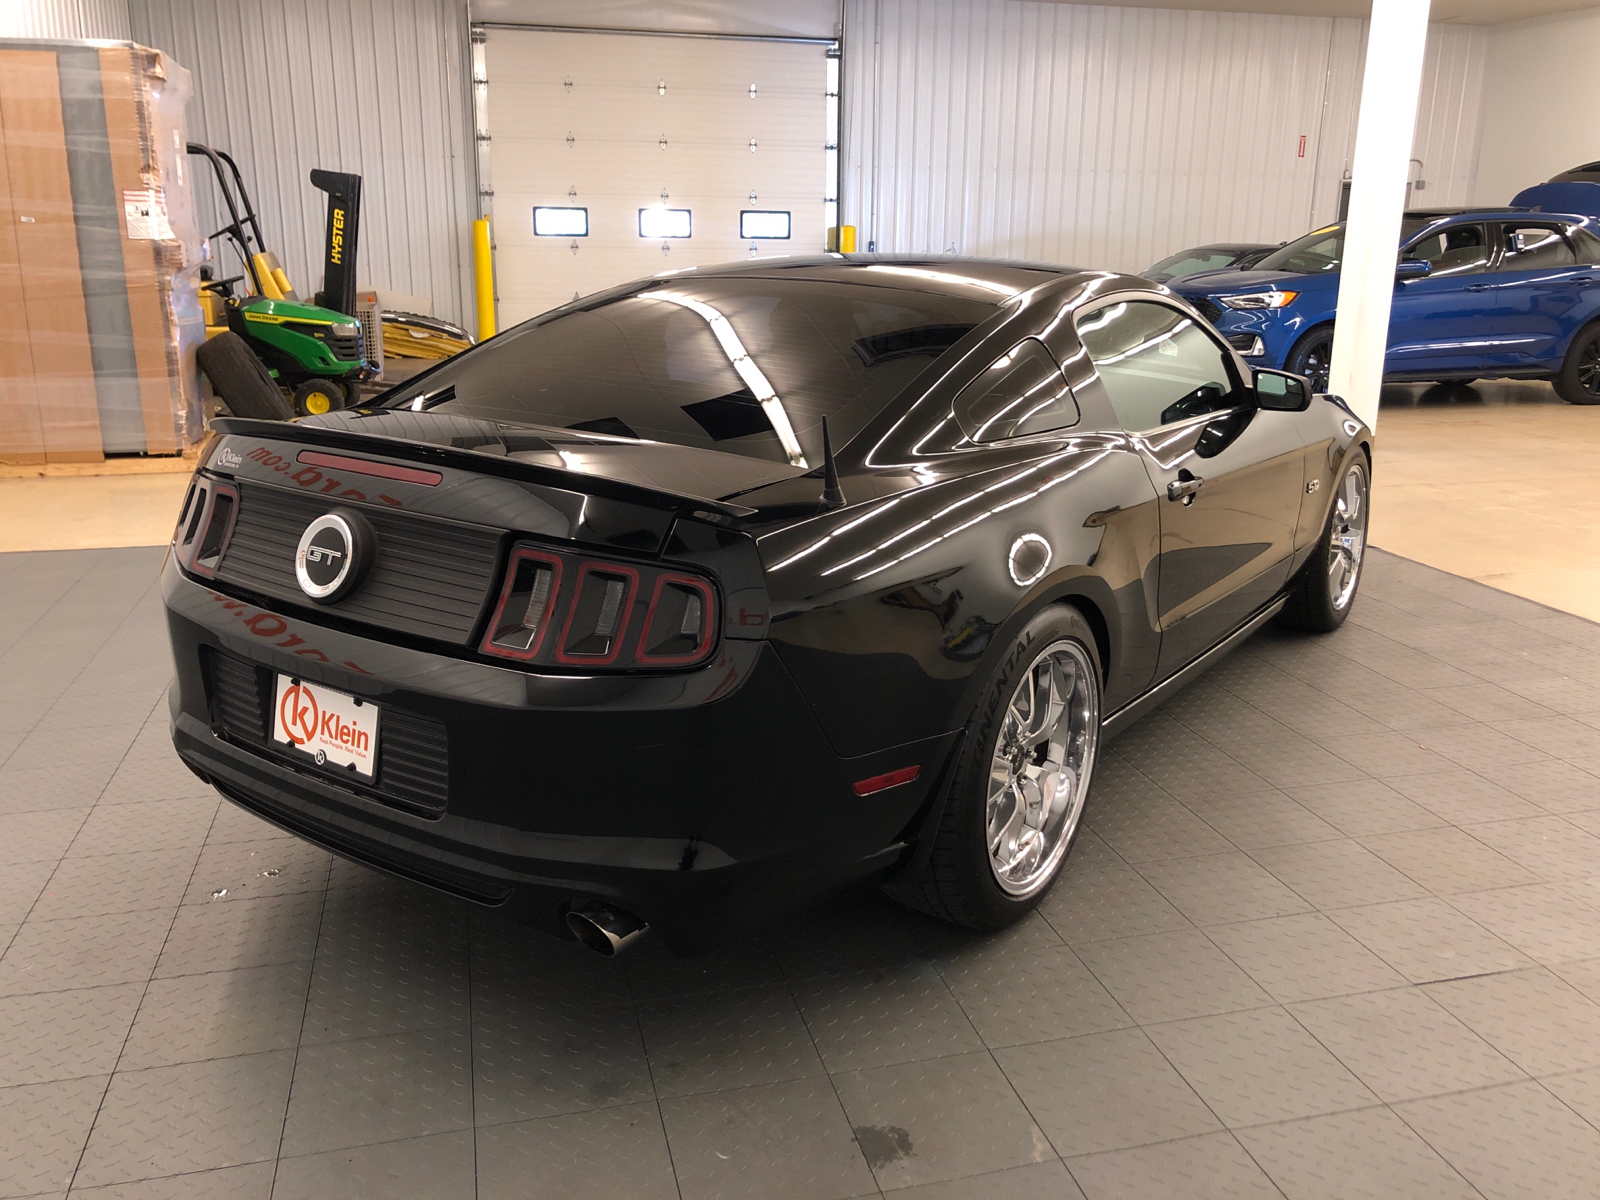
1332,928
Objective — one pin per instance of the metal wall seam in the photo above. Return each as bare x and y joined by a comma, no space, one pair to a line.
368,86
1109,136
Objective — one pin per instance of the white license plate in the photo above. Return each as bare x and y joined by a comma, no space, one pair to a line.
333,728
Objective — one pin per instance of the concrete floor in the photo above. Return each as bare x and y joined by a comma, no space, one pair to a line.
1495,482
1333,930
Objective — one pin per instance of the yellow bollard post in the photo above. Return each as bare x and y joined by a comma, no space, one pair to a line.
483,274
847,239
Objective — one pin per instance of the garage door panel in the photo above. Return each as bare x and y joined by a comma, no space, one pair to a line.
616,117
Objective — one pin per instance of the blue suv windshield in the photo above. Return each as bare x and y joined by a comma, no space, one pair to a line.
1323,250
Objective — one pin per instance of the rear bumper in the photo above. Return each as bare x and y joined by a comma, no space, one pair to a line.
707,804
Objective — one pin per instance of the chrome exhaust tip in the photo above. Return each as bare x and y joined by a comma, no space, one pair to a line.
604,930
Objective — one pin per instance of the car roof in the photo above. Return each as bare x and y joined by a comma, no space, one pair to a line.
1440,213
951,275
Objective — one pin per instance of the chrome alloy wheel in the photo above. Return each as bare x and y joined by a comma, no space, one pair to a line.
1348,539
1039,775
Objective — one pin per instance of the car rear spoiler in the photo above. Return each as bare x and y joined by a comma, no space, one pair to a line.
683,504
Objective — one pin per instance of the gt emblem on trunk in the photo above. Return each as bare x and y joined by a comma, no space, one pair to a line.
334,554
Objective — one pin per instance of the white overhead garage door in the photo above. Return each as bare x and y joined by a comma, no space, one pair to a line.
645,154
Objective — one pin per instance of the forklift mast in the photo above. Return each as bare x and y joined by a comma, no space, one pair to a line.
344,222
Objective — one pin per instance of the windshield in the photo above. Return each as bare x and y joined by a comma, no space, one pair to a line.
1191,262
1323,249
745,365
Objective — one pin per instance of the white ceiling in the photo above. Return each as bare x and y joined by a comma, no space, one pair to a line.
815,18
1458,12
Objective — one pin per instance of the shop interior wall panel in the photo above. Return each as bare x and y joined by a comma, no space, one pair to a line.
47,255
378,89
1541,108
1110,137
107,19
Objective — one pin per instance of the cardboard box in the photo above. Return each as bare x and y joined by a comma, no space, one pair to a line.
99,254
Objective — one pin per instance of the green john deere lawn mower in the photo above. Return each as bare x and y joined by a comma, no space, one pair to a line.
267,353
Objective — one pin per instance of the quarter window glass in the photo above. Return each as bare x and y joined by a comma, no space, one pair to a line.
1156,364
1021,392
1458,250
1535,248
1585,242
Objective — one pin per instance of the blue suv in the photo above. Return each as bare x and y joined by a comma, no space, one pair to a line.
1479,293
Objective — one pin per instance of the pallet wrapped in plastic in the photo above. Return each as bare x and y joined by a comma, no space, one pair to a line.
99,254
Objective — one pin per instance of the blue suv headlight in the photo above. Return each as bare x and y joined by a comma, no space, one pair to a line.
1272,299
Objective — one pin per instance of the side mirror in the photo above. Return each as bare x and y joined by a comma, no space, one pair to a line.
1279,391
1412,268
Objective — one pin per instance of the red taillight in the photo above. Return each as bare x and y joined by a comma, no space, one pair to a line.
204,525
565,610
527,604
882,783
677,625
598,619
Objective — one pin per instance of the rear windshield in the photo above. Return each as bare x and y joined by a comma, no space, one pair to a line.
744,365
1324,249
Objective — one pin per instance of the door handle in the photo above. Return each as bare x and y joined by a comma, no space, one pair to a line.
1476,287
1581,281
1184,487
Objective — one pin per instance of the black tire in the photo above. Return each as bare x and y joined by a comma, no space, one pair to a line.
1579,379
240,380
317,396
957,883
1312,604
1311,356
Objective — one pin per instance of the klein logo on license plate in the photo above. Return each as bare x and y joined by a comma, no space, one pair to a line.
335,729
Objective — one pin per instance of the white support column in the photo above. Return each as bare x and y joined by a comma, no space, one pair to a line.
1396,42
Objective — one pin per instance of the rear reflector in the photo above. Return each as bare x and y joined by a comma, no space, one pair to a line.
882,783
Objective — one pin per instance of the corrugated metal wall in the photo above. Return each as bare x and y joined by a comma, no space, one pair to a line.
1111,137
370,86
65,19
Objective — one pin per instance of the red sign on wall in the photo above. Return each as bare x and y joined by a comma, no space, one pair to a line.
1302,146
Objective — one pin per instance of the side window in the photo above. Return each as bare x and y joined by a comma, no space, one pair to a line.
1535,248
1585,242
1458,250
1156,364
1022,392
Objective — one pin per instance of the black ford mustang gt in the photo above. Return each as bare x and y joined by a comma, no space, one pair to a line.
691,601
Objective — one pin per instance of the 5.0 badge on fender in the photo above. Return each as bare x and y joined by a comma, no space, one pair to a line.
334,555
